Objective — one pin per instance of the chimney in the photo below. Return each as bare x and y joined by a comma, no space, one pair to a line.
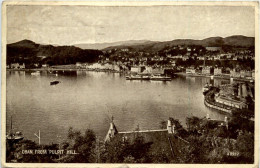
173,129
239,90
208,116
244,90
169,126
226,121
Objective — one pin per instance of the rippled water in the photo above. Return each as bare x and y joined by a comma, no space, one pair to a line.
89,99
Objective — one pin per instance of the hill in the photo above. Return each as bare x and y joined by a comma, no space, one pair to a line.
29,52
235,41
101,46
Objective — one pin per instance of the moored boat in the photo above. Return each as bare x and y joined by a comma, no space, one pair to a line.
160,78
14,137
206,88
54,82
137,77
37,73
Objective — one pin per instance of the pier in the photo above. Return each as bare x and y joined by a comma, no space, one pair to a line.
217,107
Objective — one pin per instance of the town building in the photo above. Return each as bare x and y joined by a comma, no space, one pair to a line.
94,66
136,69
78,64
206,70
217,71
216,57
158,71
201,58
173,63
235,73
231,102
217,121
15,66
45,65
148,70
22,66
190,70
229,56
213,48
115,68
245,74
165,139
36,65
125,49
178,56
233,95
243,91
42,57
209,58
184,58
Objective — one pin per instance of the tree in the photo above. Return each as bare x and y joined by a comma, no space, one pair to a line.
194,151
193,123
119,150
180,131
163,124
240,120
245,145
82,144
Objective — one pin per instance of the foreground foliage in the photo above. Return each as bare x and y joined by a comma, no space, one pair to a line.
202,141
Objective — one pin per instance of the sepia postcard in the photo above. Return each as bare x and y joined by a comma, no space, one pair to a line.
130,84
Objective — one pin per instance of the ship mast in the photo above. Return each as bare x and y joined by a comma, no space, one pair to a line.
11,130
38,136
204,61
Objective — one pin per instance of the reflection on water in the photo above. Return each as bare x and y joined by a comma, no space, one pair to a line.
89,99
191,79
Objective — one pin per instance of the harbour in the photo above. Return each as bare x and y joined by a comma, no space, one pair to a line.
89,99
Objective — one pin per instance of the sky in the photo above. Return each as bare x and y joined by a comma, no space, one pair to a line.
68,25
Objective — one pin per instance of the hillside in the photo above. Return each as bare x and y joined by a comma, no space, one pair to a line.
235,41
28,52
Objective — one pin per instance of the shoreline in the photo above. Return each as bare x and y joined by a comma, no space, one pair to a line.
210,76
64,69
115,71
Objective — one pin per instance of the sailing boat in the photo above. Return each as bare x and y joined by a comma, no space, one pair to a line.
14,137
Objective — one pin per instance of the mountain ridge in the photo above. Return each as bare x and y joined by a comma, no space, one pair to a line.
235,40
101,46
29,52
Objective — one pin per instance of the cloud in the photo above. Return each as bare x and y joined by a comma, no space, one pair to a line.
70,24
